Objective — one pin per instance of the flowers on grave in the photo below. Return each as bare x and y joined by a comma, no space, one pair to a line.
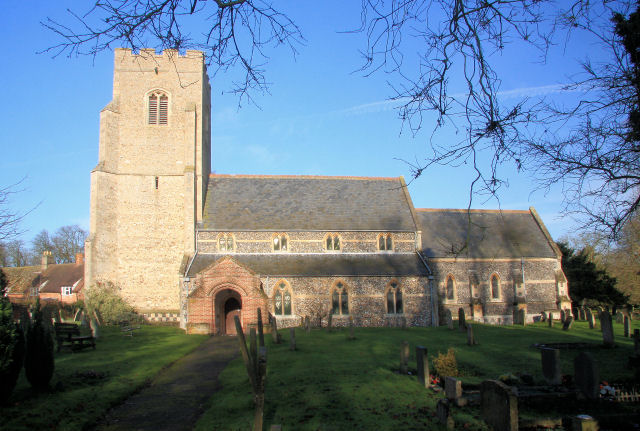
607,391
435,380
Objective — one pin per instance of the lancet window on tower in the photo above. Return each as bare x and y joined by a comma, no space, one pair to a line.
158,108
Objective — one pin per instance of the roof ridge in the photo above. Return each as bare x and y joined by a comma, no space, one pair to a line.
311,177
472,210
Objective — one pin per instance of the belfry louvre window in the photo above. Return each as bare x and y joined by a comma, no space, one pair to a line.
158,108
282,300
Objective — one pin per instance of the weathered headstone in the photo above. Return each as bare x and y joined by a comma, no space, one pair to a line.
583,314
274,331
551,365
584,423
403,322
607,329
307,324
627,326
568,322
619,317
563,316
636,342
587,377
471,340
452,388
443,413
404,357
499,406
522,317
292,338
591,319
422,363
260,329
448,319
543,316
462,321
550,321
329,322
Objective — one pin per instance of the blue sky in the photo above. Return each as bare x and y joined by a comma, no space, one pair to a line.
320,118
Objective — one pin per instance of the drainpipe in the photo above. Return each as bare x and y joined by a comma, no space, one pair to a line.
524,285
433,299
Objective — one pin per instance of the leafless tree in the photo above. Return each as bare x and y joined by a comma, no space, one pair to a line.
9,218
67,242
17,253
231,32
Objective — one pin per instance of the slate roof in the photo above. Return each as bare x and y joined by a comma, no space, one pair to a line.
493,234
321,265
304,203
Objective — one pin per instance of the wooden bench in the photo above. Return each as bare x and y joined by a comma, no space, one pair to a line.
68,335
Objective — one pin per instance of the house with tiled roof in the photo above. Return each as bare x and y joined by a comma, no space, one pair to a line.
203,248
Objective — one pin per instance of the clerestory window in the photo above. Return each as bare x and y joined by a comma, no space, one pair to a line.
158,108
225,242
385,242
332,243
280,243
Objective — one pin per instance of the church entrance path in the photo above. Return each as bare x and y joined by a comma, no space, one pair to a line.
178,395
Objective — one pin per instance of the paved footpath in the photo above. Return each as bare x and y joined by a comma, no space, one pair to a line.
178,395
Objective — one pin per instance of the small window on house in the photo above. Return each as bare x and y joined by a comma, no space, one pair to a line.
158,108
332,243
495,286
225,242
66,290
451,286
394,299
385,242
339,299
280,243
282,300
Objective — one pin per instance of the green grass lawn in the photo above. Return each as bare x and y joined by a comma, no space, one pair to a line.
86,384
331,383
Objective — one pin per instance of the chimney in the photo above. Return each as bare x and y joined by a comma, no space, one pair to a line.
47,259
79,258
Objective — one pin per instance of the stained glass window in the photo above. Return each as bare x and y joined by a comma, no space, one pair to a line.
282,300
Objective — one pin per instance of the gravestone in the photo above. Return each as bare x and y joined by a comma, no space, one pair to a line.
274,331
292,338
448,319
551,365
619,317
351,333
568,322
563,316
584,423
627,326
443,413
260,329
422,363
522,317
329,322
636,342
307,324
462,321
499,406
591,319
586,376
452,388
581,314
550,321
543,316
471,340
404,357
607,329
403,322
575,313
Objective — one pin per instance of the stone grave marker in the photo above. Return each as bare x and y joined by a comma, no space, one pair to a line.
550,321
404,357
452,388
619,317
575,314
607,329
329,322
636,342
471,340
591,319
462,321
274,331
260,329
584,423
448,319
568,322
583,315
443,413
563,316
586,376
403,322
292,338
307,324
422,363
351,333
551,365
627,326
543,316
499,406
522,317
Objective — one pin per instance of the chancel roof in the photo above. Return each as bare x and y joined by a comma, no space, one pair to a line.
482,234
321,265
306,203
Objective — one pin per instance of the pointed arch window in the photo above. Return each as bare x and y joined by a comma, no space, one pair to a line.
158,111
332,242
394,299
495,286
451,287
339,299
385,242
473,285
280,242
225,242
282,300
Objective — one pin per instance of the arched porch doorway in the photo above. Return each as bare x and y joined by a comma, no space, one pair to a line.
228,303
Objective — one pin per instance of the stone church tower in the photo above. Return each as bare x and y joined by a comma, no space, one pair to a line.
148,188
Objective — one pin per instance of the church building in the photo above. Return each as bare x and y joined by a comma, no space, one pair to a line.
201,248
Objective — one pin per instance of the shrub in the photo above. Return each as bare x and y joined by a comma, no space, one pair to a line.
11,345
105,298
445,364
39,362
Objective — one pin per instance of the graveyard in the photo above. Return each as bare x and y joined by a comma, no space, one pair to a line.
335,380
